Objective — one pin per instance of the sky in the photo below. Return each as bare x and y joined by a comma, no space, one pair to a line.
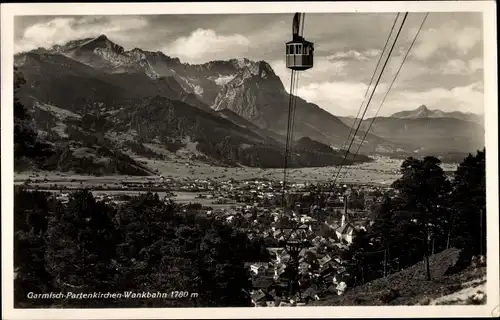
444,69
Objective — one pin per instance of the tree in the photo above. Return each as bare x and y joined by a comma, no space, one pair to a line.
81,247
468,228
144,245
26,145
383,229
423,188
31,211
164,250
24,135
361,256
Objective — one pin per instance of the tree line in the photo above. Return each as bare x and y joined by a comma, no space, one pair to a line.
429,213
145,245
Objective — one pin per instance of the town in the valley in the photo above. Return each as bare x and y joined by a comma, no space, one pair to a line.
327,221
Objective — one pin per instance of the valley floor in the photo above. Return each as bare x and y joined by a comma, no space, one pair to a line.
381,171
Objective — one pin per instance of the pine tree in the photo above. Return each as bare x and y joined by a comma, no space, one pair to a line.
383,230
469,205
31,211
24,135
81,246
423,188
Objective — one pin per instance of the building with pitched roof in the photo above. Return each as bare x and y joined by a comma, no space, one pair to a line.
346,230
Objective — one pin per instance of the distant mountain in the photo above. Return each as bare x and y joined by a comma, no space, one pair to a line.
438,136
424,112
428,131
420,112
136,102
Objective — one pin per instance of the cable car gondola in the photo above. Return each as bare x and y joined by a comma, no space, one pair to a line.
299,51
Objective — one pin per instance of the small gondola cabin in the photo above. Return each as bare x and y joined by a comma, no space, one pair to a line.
299,54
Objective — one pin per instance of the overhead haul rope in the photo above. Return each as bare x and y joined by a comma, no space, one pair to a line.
388,90
371,96
294,108
291,121
344,145
287,143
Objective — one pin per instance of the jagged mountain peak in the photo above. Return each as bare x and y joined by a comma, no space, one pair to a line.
259,68
102,42
102,37
420,112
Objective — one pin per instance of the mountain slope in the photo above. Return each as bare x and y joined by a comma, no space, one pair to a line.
430,134
76,85
104,70
410,287
251,89
132,98
203,81
259,96
125,111
242,122
428,131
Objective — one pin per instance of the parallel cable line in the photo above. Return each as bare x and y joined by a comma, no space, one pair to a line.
389,89
287,143
291,121
294,108
371,96
344,145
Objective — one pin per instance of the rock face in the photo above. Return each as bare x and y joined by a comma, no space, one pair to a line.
228,112
256,94
251,89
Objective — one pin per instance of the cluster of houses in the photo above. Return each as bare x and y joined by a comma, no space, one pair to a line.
321,269
319,272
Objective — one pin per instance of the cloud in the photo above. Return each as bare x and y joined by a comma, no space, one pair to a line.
345,98
324,69
63,29
338,98
355,55
462,67
449,36
476,64
469,98
201,44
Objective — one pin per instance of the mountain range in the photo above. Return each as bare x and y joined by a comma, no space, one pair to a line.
91,92
428,131
424,112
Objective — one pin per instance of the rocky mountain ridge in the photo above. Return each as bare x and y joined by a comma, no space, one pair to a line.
120,105
249,88
98,77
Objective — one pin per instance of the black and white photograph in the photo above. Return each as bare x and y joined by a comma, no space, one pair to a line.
259,155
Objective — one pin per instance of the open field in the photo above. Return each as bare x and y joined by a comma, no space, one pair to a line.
381,171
